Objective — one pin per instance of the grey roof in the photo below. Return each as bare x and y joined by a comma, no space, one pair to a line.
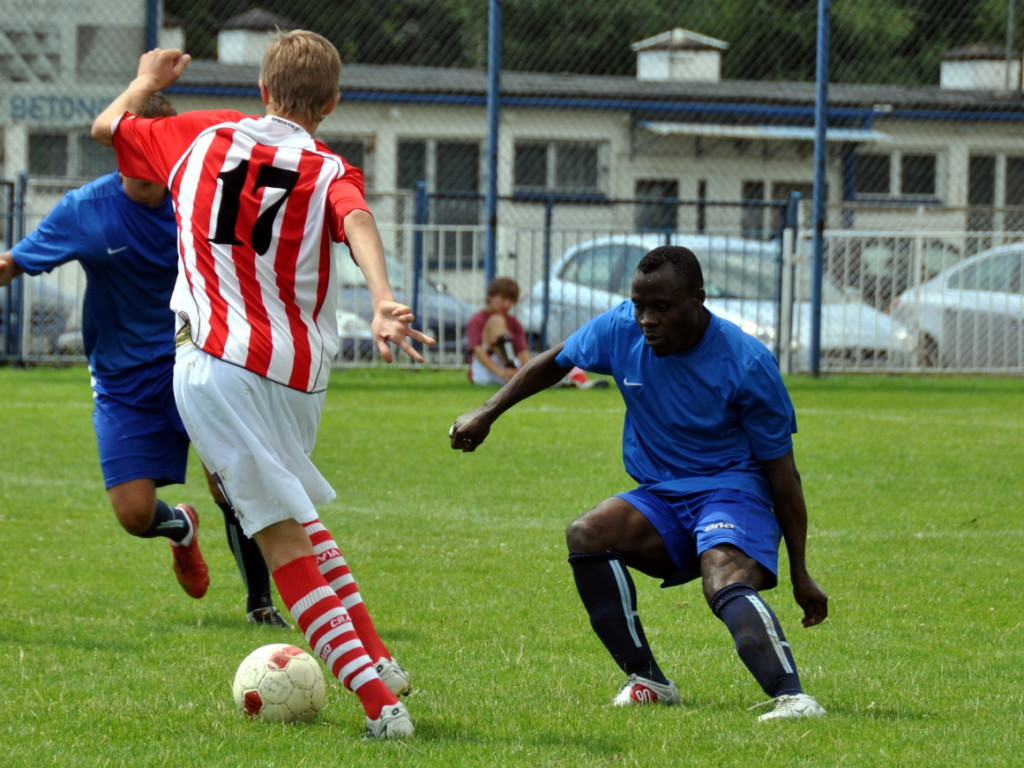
978,52
399,83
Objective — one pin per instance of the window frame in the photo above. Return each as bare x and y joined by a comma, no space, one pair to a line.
555,151
897,185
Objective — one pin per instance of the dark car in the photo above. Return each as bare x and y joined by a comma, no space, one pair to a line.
439,313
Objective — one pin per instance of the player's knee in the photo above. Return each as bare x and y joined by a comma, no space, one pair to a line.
580,536
134,519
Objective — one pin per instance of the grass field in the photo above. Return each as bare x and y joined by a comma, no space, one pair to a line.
915,489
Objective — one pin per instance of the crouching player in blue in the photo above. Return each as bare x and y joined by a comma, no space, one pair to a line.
123,233
708,438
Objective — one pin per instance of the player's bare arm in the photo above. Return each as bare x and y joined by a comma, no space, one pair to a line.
791,511
9,269
471,429
392,321
158,69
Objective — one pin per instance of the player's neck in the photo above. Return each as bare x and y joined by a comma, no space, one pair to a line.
144,192
303,123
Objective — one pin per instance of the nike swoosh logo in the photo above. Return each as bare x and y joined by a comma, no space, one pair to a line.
112,251
629,383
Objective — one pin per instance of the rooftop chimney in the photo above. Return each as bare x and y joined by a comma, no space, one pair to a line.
243,39
980,67
679,54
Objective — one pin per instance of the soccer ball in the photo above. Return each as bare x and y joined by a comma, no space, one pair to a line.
279,682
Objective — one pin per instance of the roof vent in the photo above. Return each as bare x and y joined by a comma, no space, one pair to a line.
243,39
980,67
679,54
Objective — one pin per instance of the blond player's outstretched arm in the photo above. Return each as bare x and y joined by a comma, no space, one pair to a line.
392,322
158,69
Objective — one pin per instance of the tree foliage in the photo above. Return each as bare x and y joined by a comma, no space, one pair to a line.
871,41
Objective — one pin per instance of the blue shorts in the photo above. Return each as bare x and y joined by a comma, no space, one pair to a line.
136,442
696,522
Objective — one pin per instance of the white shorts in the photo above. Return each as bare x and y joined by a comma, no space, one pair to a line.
482,375
255,435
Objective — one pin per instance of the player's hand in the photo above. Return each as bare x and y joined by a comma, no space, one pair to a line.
812,599
8,269
392,323
160,67
468,431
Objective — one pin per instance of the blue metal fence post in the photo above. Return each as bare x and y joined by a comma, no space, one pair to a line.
493,115
549,205
152,24
820,157
16,319
421,217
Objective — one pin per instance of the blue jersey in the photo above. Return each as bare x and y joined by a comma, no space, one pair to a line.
129,253
697,420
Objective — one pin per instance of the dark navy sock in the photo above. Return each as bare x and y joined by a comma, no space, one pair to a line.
759,639
609,595
169,522
249,559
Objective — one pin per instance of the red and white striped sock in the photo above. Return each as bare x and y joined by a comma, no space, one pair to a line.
318,611
335,570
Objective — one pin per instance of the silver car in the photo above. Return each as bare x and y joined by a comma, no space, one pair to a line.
970,316
742,280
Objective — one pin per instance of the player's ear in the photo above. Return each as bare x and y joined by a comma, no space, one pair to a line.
264,93
331,105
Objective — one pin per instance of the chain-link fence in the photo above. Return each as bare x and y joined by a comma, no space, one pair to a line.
605,121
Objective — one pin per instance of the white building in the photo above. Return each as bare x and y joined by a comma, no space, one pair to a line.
614,151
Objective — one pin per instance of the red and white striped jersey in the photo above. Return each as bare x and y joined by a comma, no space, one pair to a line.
258,202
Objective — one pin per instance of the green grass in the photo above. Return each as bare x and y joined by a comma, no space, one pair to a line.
915,488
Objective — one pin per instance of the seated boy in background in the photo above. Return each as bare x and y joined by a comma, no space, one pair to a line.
497,341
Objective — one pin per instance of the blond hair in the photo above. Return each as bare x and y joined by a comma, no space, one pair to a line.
301,70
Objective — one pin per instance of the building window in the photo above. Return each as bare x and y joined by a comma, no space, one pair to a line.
917,175
873,174
531,166
565,167
355,152
656,204
1014,193
48,154
576,168
1015,180
68,155
752,213
412,164
451,171
981,196
94,159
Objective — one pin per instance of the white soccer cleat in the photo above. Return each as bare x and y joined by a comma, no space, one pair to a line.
391,673
793,706
639,691
394,723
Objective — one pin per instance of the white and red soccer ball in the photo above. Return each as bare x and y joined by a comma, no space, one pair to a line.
279,682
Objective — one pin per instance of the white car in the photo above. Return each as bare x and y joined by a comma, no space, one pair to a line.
970,316
742,280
